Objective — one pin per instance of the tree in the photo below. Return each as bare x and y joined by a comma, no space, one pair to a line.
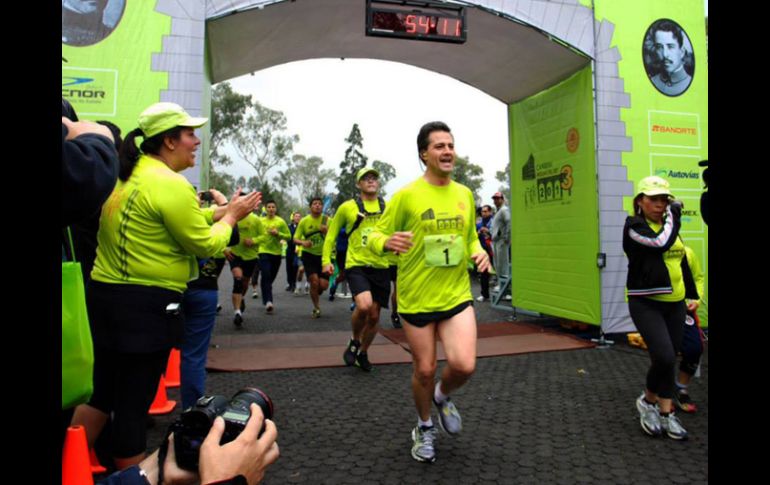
468,174
262,142
306,176
354,161
223,182
228,110
503,176
387,173
248,185
285,202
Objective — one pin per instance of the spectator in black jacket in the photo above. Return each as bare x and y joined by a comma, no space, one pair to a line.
89,168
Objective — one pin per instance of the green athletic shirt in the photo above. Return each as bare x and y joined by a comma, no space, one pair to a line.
673,259
208,214
433,279
697,274
269,244
151,229
250,227
358,254
309,225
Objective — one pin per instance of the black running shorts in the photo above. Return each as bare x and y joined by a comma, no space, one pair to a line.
422,319
374,280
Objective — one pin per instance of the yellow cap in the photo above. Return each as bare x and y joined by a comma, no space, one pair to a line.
365,171
654,185
163,116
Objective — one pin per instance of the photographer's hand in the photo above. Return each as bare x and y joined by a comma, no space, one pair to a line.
246,455
172,474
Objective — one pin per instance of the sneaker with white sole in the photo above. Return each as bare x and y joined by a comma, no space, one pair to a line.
649,417
673,427
449,417
269,307
422,444
481,298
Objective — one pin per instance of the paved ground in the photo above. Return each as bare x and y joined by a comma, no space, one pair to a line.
555,417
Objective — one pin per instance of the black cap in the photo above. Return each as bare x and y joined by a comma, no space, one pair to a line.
703,163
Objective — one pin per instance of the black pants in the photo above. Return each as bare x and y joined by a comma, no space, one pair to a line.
291,269
484,279
269,264
661,325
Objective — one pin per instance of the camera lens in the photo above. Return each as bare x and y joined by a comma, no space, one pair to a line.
238,413
191,428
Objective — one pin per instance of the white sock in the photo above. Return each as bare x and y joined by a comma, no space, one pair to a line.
425,424
439,396
237,312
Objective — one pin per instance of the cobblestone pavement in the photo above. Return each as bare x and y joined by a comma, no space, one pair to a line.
553,417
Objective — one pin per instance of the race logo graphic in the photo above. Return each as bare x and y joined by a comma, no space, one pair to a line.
573,140
546,183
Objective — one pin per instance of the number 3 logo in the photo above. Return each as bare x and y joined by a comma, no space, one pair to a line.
566,177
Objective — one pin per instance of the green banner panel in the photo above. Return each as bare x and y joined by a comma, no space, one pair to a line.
109,48
554,204
667,79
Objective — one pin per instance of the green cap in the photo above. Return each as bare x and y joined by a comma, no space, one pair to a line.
163,116
654,185
364,171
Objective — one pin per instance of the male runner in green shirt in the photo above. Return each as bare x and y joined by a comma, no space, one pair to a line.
310,234
269,242
430,224
366,272
243,259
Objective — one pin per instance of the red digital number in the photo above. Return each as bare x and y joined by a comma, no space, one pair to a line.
411,27
443,29
457,30
424,23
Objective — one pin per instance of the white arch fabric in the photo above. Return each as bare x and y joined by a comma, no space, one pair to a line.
246,36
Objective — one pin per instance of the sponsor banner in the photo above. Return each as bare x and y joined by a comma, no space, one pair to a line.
109,47
554,206
664,67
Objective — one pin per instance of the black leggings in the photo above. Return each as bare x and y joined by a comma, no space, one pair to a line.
661,325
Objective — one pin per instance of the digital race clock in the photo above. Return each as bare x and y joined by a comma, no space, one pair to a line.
413,19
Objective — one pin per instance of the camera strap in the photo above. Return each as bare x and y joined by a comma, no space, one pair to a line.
162,452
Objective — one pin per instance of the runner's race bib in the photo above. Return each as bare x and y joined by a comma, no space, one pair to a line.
317,240
365,235
443,250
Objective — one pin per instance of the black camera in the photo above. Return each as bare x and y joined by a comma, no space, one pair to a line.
207,196
192,426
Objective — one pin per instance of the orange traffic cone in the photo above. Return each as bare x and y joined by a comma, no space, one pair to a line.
75,465
172,369
161,404
96,467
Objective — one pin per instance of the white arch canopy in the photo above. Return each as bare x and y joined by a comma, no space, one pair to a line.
507,59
